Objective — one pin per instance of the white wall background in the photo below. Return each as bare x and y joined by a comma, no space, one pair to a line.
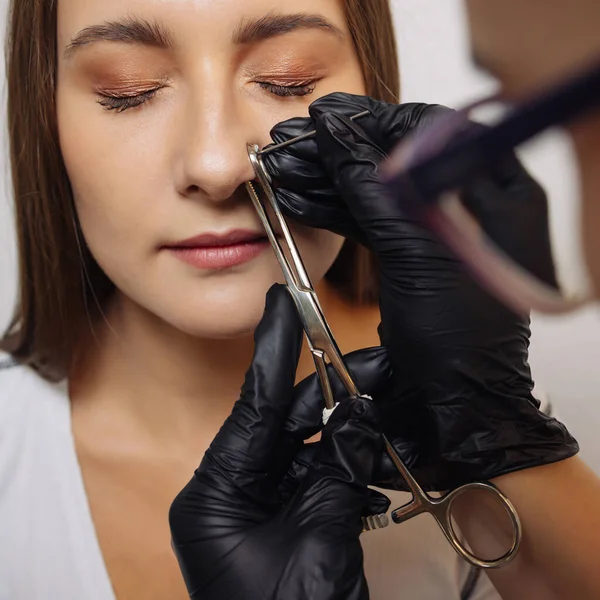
435,68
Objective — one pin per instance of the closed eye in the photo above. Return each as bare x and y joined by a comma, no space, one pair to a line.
288,90
122,102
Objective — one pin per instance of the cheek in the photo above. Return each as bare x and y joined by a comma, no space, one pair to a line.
350,80
116,173
318,248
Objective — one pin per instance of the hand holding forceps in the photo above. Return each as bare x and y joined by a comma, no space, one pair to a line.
323,346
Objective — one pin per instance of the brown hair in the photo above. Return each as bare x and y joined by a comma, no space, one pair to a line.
61,286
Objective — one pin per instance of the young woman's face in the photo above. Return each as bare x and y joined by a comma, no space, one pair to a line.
156,102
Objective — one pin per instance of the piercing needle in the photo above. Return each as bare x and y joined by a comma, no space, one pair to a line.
304,136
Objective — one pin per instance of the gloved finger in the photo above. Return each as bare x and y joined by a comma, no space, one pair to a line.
298,164
386,124
377,504
512,208
386,475
304,190
304,461
245,446
495,197
352,161
372,372
335,490
321,209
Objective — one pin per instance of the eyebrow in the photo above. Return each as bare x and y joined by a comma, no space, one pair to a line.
250,31
271,25
129,31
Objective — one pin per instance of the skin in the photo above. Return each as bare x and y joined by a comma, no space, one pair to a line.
169,358
528,45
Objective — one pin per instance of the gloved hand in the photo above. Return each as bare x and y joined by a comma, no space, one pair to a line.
461,408
240,528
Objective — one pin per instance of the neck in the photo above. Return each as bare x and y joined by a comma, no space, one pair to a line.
142,377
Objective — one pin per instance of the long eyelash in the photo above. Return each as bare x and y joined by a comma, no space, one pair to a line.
121,103
288,90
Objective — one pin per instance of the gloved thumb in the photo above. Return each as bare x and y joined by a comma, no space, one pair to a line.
303,462
246,444
352,160
335,490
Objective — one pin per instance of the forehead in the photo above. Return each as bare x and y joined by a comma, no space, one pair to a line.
209,22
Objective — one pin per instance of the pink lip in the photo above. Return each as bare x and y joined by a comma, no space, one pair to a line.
220,251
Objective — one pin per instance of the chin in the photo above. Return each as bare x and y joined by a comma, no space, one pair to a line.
219,324
226,308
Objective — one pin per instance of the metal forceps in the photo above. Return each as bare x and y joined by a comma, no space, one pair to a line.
323,346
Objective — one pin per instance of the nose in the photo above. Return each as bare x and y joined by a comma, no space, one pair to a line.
212,159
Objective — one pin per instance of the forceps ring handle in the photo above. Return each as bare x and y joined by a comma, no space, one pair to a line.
441,510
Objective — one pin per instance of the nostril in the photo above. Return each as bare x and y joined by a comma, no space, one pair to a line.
193,189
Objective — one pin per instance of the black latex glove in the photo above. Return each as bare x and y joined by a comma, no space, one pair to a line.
462,407
236,534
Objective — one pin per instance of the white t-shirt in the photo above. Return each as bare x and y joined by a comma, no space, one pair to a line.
48,545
